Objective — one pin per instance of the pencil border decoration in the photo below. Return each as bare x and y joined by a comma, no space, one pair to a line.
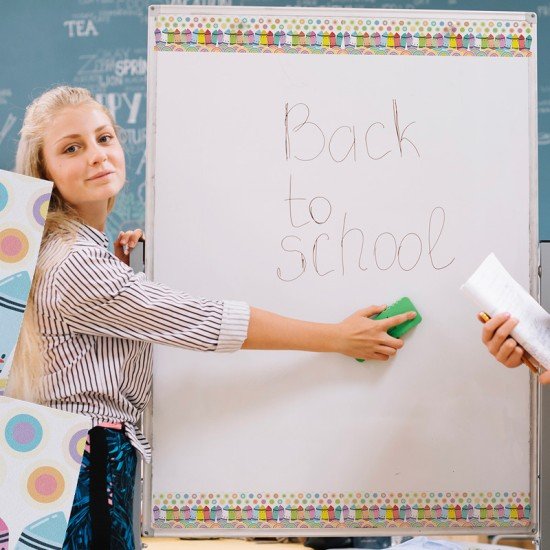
353,36
340,510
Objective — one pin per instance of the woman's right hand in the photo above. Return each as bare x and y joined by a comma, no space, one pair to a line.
366,338
125,243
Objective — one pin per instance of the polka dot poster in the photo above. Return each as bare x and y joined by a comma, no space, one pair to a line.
40,454
40,448
39,208
23,210
46,484
2,469
73,446
4,194
23,433
14,245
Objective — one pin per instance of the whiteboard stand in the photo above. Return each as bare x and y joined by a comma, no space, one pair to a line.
544,532
209,165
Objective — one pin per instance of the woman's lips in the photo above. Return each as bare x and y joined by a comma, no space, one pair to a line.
101,175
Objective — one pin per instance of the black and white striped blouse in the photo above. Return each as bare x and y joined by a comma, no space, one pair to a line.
98,319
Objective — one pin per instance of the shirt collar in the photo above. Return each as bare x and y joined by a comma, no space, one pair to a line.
89,234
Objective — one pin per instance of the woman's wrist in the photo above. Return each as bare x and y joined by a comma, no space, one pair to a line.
334,338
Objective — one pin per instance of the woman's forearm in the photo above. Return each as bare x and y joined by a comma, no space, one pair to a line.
357,336
268,330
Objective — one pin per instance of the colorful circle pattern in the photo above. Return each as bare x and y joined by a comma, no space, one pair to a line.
3,197
40,209
348,24
77,444
46,484
23,433
14,245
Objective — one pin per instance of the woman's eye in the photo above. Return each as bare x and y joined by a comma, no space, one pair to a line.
105,138
71,149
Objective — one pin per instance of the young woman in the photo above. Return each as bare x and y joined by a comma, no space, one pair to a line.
86,341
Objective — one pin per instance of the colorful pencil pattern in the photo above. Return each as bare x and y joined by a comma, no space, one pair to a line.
339,510
343,35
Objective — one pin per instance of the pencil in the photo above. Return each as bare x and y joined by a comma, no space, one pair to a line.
484,318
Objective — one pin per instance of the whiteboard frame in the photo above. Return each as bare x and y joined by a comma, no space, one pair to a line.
534,260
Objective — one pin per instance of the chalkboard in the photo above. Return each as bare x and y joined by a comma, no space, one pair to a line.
312,162
97,44
101,44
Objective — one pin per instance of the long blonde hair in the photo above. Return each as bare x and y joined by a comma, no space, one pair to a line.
28,365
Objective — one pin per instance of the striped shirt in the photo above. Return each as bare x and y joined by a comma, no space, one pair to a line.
97,320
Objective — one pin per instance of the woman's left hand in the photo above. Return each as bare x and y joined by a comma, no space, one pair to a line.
496,336
125,243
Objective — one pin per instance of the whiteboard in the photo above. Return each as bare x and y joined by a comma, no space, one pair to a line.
360,162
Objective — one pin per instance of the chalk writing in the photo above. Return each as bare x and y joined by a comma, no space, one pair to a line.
80,28
5,94
117,100
8,125
133,67
104,69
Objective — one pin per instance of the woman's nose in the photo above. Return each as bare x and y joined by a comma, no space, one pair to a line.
97,154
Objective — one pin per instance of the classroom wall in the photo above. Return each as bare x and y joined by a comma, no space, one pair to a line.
101,44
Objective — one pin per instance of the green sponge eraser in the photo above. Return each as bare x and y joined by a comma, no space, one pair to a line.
403,305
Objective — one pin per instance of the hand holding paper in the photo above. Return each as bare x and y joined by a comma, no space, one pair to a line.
493,289
496,336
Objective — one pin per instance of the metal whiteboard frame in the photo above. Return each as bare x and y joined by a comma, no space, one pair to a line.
534,528
544,524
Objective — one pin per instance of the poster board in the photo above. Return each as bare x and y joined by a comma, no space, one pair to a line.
41,448
345,158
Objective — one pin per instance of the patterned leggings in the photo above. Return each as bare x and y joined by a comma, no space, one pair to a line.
120,470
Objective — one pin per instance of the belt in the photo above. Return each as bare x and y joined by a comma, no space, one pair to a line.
99,506
112,425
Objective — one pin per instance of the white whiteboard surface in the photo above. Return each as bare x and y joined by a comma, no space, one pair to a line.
442,424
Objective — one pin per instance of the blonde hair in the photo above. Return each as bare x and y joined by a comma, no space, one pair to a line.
28,365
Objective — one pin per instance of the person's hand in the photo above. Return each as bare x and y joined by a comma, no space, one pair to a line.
365,338
125,243
496,336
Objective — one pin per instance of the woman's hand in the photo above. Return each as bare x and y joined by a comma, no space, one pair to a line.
496,336
125,243
366,338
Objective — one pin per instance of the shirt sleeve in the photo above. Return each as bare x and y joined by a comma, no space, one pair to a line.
97,294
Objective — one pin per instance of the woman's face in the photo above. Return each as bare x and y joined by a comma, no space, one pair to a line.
84,157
